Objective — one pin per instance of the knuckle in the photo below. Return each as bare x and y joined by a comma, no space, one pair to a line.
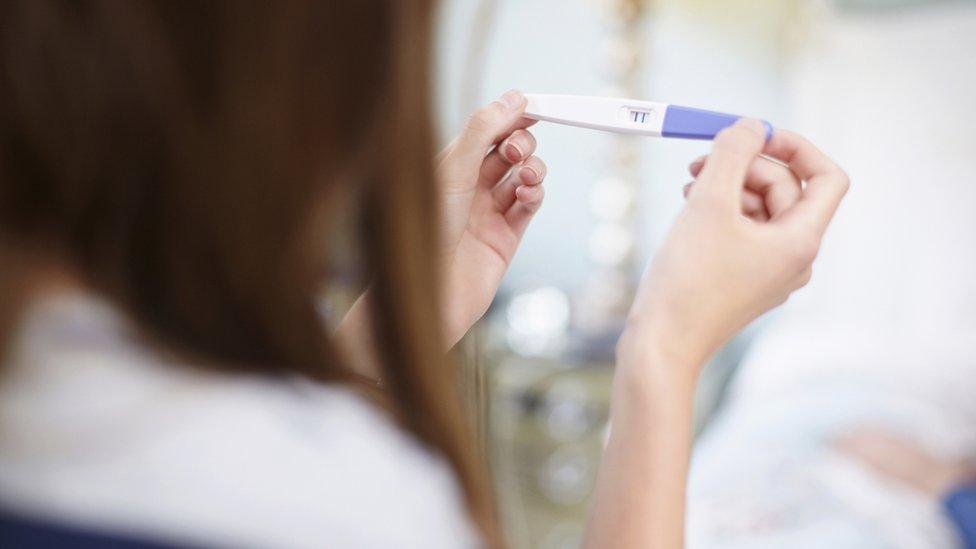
483,118
805,277
787,133
477,122
706,201
843,181
781,298
736,139
728,134
804,250
752,125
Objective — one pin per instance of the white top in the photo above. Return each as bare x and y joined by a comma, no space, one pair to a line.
98,431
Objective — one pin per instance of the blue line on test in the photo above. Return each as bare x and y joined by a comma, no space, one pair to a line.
691,123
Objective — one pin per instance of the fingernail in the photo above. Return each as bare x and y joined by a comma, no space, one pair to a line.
529,195
513,99
755,125
529,175
513,152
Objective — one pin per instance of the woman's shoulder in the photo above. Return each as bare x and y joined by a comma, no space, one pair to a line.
100,432
300,463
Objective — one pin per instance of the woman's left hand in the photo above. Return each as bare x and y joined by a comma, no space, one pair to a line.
491,186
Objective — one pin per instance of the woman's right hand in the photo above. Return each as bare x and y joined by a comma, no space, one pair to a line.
744,242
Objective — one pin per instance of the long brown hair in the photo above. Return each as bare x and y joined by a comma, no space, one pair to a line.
184,157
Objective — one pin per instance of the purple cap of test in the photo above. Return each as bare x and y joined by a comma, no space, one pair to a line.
690,123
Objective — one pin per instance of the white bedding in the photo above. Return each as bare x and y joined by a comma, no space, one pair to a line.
886,334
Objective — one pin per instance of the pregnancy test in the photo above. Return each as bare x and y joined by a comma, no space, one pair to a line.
630,116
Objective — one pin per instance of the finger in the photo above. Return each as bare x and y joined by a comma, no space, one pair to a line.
490,124
527,203
777,184
725,168
518,146
515,148
774,183
826,183
442,156
530,173
753,205
803,278
520,123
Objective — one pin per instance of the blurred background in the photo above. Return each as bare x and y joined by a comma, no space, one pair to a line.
883,337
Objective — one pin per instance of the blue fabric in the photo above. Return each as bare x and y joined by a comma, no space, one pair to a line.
28,533
960,503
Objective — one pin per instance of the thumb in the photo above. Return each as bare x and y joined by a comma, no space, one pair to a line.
726,166
490,124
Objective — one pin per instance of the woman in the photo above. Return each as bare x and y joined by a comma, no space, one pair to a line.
172,178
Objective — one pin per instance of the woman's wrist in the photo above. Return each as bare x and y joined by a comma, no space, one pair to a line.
645,462
649,376
645,341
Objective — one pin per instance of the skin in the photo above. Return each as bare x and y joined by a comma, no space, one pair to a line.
725,261
744,242
491,188
492,185
907,462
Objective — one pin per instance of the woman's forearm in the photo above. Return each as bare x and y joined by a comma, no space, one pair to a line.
721,265
639,498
